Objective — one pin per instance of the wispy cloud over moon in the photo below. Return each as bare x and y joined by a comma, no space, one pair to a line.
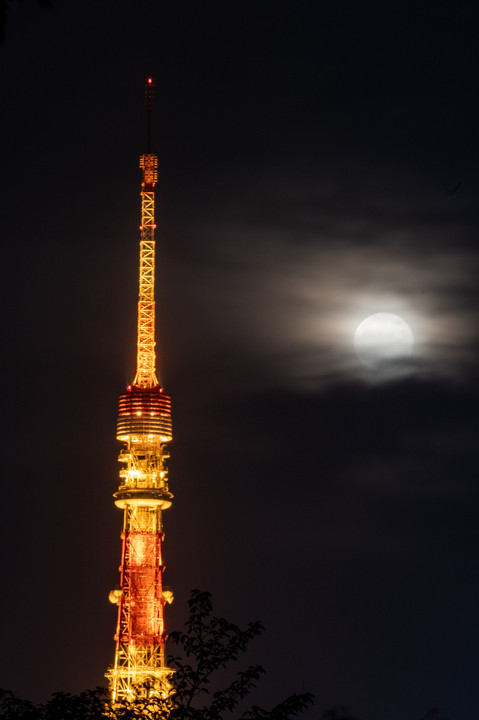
286,298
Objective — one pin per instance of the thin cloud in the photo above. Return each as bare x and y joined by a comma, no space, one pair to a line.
288,301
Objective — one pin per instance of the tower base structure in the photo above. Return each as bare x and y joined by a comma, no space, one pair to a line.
140,672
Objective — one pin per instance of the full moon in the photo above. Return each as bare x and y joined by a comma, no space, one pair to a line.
382,339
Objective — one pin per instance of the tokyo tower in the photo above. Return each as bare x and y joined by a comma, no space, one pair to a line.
144,429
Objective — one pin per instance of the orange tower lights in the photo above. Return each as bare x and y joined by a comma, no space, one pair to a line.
144,428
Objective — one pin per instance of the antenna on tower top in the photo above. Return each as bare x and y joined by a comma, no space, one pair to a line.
149,92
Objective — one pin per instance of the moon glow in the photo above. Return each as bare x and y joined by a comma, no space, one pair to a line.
382,339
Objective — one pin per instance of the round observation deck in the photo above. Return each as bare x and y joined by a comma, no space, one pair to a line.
149,497
144,412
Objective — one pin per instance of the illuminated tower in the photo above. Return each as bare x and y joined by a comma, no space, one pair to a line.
144,428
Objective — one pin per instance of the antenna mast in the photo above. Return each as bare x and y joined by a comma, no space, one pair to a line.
146,359
149,93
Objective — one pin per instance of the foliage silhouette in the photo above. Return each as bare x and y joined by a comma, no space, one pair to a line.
206,647
89,705
205,650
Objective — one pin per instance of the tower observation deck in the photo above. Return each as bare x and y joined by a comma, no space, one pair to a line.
144,429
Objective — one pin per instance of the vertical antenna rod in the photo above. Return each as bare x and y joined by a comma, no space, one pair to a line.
149,92
144,428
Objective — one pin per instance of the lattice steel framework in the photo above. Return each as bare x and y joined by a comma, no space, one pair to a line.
144,428
146,359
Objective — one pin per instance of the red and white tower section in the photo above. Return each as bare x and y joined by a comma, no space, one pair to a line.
144,428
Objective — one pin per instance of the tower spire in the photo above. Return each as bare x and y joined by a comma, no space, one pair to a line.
144,429
146,360
149,92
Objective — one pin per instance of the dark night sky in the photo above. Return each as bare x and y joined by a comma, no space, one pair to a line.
304,151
